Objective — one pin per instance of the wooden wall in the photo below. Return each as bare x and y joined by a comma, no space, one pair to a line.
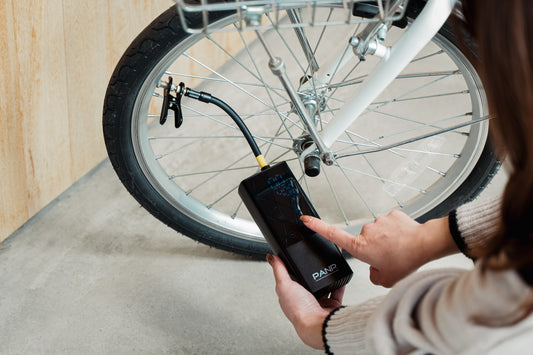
56,57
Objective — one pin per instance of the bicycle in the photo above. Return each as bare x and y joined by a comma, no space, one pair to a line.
348,108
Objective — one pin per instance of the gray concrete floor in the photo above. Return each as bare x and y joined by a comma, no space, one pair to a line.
94,273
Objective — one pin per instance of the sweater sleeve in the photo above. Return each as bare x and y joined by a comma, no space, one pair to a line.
344,330
474,224
432,311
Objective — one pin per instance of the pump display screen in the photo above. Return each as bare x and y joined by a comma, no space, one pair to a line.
281,202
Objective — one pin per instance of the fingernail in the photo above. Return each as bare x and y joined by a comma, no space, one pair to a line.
305,219
270,259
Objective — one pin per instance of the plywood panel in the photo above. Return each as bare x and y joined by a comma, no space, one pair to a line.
96,34
11,153
85,37
34,122
56,59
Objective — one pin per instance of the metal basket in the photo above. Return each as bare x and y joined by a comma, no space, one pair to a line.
249,13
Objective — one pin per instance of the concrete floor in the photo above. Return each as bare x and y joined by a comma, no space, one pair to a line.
94,273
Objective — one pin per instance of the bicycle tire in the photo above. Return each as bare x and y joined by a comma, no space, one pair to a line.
135,71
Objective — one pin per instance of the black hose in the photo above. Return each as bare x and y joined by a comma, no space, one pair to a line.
208,98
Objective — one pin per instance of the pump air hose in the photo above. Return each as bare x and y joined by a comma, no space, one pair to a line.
208,98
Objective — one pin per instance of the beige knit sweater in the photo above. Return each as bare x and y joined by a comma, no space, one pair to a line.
433,312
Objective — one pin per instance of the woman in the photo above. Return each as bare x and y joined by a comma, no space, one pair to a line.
479,311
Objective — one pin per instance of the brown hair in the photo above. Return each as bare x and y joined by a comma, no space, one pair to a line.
503,34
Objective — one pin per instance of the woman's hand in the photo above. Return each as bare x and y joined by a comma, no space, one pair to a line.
394,246
301,308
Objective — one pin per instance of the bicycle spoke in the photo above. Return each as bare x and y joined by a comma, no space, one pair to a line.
421,124
397,151
278,157
423,86
460,92
257,76
173,151
234,214
211,79
236,60
228,81
360,79
356,190
428,74
336,197
289,49
248,115
281,117
377,174
385,180
278,132
224,126
268,88
391,150
302,180
346,49
425,125
269,140
442,154
209,206
208,172
331,96
319,40
428,56
344,83
211,137
235,161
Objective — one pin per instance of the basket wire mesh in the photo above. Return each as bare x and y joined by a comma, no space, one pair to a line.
249,12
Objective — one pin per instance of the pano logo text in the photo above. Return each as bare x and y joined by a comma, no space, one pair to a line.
325,272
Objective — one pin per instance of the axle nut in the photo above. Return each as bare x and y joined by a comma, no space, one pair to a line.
312,165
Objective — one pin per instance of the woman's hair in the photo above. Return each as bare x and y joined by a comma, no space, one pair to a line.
503,35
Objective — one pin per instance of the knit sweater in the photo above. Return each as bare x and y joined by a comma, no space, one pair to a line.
435,311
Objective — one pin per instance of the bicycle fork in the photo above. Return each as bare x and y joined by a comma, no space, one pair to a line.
394,60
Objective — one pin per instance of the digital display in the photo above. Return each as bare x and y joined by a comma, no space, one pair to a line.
282,203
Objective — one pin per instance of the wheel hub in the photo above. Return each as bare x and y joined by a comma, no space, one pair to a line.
311,161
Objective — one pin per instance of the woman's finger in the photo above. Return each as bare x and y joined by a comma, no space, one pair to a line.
344,240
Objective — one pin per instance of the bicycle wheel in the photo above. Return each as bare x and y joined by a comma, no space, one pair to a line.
188,177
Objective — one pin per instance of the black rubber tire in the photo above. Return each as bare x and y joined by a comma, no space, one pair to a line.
142,55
